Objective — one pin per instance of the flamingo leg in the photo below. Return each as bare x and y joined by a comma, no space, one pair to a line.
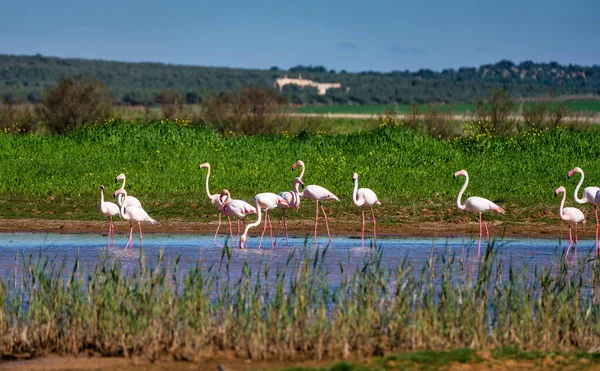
575,246
238,234
129,241
270,228
363,226
487,232
140,226
570,243
326,223
374,228
231,231
316,218
264,227
109,229
597,225
112,225
278,225
218,226
480,230
285,226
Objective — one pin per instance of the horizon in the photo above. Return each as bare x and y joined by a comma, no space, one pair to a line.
298,65
381,36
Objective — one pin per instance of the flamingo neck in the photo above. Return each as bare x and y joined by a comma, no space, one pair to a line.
462,190
296,195
355,193
123,185
577,199
562,204
101,197
206,183
122,208
257,222
301,172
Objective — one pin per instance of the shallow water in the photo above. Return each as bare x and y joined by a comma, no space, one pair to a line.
15,248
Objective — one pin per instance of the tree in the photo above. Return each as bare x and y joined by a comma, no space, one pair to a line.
73,103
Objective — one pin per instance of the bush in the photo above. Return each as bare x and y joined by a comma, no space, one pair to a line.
73,103
251,110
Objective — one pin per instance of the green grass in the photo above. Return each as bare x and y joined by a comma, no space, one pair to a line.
591,106
59,176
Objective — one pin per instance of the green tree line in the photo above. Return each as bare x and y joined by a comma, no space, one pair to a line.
24,78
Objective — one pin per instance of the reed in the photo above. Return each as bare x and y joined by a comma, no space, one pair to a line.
293,311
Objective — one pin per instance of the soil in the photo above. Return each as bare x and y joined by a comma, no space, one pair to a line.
460,228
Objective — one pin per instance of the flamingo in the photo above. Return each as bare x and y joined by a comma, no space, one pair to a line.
215,199
589,196
132,214
478,205
235,208
131,201
267,201
362,197
293,200
108,209
570,215
318,193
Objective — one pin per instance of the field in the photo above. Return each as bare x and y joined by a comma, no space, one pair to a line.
58,177
588,107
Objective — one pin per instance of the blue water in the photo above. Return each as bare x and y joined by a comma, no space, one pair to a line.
192,249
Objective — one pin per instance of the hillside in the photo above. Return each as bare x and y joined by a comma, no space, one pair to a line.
23,78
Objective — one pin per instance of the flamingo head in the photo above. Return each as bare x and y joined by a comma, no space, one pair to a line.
243,240
120,177
102,188
298,181
460,172
559,190
575,170
298,163
204,165
120,192
354,177
224,196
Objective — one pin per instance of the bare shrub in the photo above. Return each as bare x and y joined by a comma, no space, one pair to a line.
17,118
250,110
73,103
171,103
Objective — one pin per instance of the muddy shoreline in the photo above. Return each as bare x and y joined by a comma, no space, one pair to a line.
302,228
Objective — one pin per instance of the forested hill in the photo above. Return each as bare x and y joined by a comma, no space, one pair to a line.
23,78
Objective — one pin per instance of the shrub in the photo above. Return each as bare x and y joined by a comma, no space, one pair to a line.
73,103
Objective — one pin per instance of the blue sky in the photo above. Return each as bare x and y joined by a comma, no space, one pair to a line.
351,35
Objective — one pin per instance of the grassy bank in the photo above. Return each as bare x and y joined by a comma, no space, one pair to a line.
59,176
292,311
574,106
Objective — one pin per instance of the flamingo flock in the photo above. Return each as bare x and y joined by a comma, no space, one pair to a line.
130,208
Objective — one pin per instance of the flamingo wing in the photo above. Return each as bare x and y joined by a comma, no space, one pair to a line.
368,196
109,209
138,214
315,192
481,205
572,215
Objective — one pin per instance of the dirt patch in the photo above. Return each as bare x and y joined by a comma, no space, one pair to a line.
301,228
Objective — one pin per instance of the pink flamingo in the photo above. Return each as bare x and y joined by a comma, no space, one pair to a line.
131,201
293,200
362,197
215,199
478,205
265,201
570,215
132,214
108,209
589,196
318,193
235,208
